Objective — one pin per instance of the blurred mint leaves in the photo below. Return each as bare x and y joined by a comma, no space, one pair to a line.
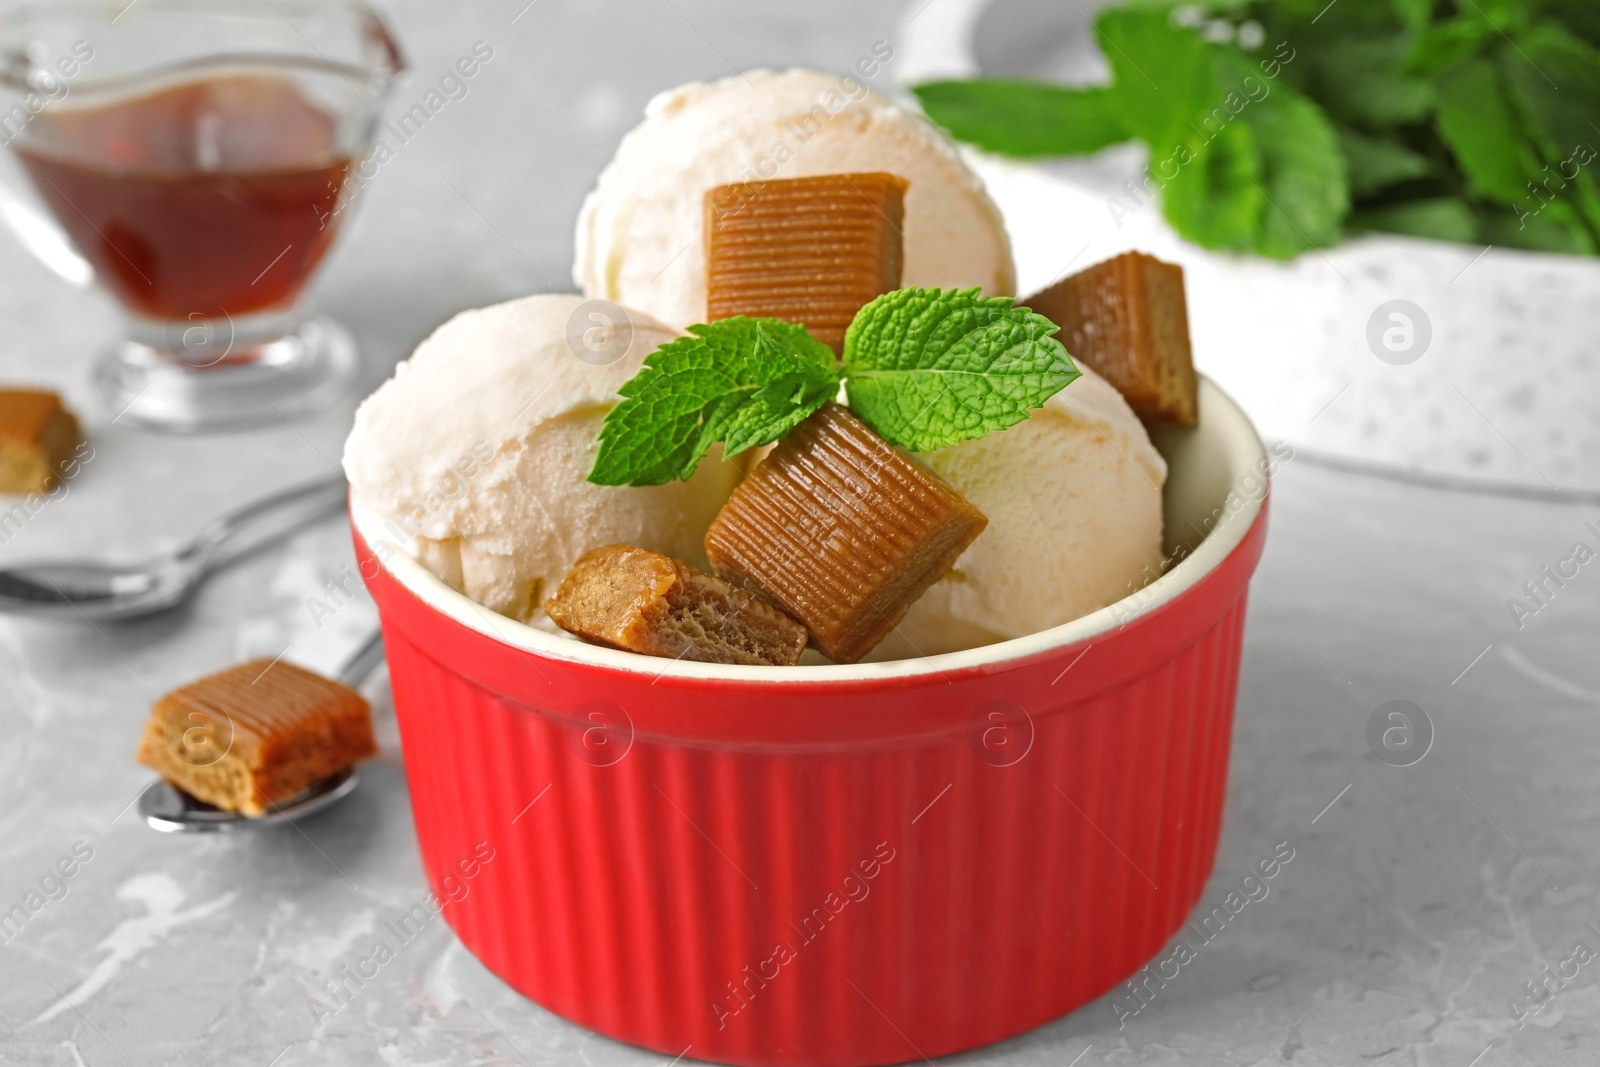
1276,126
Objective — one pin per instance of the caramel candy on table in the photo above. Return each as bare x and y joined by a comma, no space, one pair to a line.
1126,319
842,530
642,601
806,250
37,436
254,735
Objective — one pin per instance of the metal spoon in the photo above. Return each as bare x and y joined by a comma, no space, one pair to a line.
169,809
83,589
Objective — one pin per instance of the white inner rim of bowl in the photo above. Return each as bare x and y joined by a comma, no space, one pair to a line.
1220,459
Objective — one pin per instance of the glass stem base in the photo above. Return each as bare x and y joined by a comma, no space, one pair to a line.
298,374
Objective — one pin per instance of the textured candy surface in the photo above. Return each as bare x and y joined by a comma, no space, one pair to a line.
642,601
252,736
1127,320
806,250
842,530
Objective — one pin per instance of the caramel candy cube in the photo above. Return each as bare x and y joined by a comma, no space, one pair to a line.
252,736
642,601
806,250
1126,319
37,437
842,530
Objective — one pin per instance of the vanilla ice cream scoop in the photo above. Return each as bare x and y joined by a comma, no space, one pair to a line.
1073,496
641,232
475,453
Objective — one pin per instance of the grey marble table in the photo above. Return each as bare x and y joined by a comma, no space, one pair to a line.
1424,905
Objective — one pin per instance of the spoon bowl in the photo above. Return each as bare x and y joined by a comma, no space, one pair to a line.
172,811
169,809
90,590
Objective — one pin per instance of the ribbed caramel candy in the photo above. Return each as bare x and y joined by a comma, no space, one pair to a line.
254,735
1127,320
37,437
842,530
806,250
642,601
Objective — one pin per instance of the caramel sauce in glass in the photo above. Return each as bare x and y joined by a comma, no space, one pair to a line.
202,198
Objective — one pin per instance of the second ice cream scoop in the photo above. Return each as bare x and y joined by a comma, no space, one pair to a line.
1073,497
477,452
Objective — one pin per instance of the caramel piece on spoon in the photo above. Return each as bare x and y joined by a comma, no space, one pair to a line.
841,530
252,736
1127,320
642,601
806,250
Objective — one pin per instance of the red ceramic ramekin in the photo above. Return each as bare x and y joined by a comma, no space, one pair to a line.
859,864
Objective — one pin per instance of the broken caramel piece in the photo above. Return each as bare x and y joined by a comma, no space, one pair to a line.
806,250
642,601
252,736
1126,319
37,437
842,530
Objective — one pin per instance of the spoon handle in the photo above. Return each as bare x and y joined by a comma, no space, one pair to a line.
363,661
254,525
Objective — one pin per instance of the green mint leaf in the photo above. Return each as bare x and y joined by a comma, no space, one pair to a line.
1301,19
1025,119
1476,121
742,381
1556,228
1555,81
1215,199
1268,177
777,407
1447,43
1415,14
927,368
1377,163
1561,121
1364,82
1441,219
1163,75
1582,17
1302,174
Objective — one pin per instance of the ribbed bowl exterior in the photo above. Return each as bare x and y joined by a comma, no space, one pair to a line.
861,872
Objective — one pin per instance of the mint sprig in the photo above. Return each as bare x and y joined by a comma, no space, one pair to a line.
929,368
742,381
1277,126
925,368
